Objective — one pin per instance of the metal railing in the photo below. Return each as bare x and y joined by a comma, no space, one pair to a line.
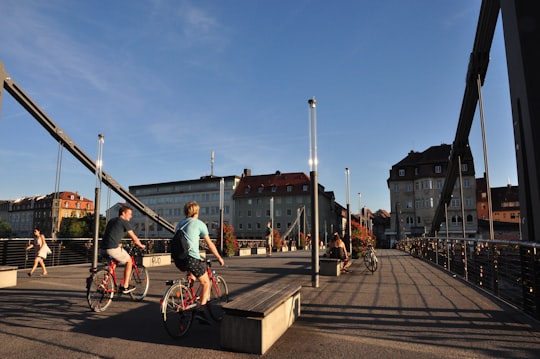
510,270
67,251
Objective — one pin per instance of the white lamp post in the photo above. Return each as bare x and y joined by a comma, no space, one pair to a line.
99,168
314,193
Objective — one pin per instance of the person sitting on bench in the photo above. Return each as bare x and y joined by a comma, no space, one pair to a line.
337,250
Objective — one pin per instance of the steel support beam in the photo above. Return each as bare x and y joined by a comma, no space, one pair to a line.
521,24
59,135
478,64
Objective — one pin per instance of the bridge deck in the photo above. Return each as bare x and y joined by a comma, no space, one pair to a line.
407,309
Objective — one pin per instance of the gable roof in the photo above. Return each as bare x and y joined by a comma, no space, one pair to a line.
273,184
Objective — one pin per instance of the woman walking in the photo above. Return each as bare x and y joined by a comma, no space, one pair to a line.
41,250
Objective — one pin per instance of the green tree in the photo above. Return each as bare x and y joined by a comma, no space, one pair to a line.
5,228
80,227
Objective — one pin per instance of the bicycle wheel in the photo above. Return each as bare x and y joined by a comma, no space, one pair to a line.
219,294
176,318
100,290
141,280
371,263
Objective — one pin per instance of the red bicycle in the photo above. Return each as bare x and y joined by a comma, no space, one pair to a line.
102,284
178,304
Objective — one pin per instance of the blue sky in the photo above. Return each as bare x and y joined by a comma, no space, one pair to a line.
169,81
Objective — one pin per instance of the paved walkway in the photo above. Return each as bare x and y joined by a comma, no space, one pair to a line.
407,309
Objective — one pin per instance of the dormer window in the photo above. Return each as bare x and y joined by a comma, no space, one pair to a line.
289,188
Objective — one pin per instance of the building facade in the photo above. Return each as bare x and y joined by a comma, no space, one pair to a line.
415,184
46,212
168,199
504,202
284,198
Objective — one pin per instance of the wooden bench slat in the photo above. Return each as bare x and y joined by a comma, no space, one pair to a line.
260,301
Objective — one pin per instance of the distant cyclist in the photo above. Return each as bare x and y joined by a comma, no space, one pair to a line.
194,229
112,243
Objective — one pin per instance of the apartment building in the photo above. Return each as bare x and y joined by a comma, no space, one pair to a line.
46,212
289,196
415,184
167,200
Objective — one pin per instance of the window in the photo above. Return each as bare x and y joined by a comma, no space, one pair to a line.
466,183
260,189
427,184
409,204
468,202
408,187
396,187
439,184
469,218
438,169
305,188
401,172
289,188
249,213
274,188
464,167
246,190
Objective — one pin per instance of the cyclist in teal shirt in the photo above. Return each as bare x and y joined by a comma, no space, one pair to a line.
194,230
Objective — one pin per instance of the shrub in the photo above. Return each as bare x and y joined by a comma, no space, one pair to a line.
230,244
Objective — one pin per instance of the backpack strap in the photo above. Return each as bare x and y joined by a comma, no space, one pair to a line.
184,226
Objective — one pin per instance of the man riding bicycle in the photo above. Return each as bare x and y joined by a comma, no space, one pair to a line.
194,229
111,243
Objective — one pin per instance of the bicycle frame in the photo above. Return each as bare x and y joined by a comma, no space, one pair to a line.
181,298
103,284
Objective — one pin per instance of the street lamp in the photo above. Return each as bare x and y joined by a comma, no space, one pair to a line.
347,176
360,213
221,200
314,193
99,167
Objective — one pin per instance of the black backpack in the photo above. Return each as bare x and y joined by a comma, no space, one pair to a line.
180,246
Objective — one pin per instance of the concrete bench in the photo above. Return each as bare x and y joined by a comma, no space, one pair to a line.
8,276
245,251
255,320
261,250
330,266
156,259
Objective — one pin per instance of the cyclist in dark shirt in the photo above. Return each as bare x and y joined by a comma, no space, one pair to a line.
111,244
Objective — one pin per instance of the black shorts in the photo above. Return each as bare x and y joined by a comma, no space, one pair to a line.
197,267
